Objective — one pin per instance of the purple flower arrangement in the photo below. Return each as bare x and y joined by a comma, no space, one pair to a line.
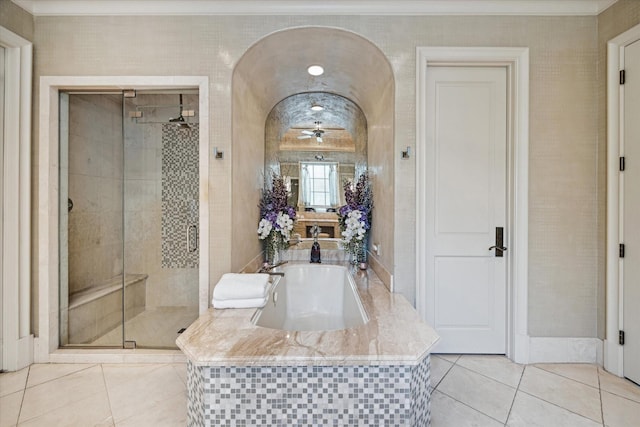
355,217
276,218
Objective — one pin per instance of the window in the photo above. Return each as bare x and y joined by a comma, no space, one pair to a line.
319,184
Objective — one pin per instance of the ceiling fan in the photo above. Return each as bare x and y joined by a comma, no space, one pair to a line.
317,132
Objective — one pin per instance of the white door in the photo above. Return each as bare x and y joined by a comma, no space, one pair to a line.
466,204
631,214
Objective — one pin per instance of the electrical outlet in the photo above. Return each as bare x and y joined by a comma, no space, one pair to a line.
376,248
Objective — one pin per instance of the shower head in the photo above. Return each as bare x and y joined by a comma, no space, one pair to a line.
180,121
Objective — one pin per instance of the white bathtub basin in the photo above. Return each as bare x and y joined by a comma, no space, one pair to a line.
312,297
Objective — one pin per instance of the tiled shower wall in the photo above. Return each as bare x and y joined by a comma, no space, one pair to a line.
180,204
95,186
146,219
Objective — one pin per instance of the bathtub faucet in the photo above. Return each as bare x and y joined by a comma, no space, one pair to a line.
266,268
315,248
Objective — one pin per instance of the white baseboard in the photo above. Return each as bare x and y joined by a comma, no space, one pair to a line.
565,350
19,355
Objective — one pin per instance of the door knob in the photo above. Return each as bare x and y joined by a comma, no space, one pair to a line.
499,247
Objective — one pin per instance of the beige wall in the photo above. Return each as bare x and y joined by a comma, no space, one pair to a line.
564,258
248,179
16,19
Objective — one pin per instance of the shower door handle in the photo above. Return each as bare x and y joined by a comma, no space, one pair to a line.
192,238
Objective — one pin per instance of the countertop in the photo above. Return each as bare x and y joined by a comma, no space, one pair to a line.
394,335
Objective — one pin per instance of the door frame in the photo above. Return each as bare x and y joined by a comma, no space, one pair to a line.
46,344
15,283
613,352
516,60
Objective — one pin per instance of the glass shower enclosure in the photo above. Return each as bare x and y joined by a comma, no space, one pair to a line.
129,204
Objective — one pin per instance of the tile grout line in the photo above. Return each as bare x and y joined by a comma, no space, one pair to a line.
515,394
488,377
569,378
621,396
470,407
87,366
562,407
24,392
558,406
106,389
600,395
445,374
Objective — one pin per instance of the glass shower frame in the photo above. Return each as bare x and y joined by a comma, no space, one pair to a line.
2,110
126,272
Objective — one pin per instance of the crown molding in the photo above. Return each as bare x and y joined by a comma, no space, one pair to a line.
312,7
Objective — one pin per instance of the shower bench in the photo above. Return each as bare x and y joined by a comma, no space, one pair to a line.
96,310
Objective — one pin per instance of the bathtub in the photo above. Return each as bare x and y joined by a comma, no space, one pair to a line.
312,297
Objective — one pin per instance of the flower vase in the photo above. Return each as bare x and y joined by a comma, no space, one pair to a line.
358,254
275,252
353,258
362,254
275,259
272,251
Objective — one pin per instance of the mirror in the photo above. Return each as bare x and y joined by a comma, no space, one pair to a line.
317,141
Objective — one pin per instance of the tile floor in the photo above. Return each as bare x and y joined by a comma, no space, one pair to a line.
468,391
493,391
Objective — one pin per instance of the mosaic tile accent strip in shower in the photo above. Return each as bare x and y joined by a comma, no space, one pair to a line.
396,395
180,195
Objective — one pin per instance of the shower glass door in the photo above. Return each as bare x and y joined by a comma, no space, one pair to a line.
128,218
161,214
1,194
91,216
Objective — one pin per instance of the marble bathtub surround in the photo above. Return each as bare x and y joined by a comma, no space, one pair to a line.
373,374
305,395
395,334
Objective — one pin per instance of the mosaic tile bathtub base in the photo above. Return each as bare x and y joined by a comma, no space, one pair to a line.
396,395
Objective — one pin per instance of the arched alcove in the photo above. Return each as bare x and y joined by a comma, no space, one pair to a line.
274,68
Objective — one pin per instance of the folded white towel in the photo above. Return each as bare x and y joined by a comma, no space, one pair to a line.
240,303
241,286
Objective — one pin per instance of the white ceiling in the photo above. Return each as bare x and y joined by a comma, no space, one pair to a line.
313,7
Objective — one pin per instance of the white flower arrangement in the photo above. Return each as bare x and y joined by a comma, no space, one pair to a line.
264,228
355,227
283,225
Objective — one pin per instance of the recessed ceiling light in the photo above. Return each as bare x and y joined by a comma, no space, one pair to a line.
317,107
315,70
